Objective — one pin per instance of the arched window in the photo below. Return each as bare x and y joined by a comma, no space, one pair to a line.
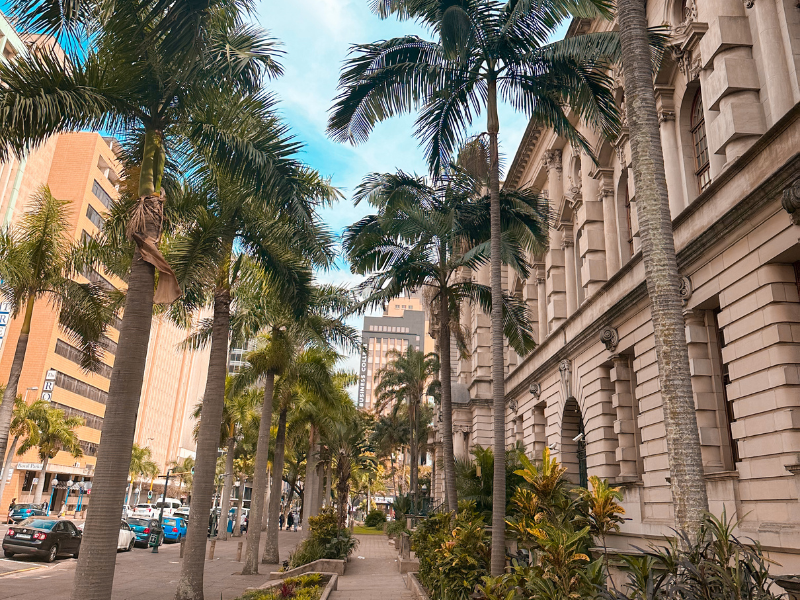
698,126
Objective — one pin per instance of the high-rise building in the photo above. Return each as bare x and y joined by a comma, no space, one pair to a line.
403,324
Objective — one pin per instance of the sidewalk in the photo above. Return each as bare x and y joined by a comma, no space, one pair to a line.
376,576
141,575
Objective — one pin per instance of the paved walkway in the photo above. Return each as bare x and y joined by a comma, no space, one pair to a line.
141,575
375,576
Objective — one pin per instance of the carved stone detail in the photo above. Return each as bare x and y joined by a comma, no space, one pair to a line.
689,17
552,160
512,404
685,288
536,390
565,370
610,338
458,428
665,115
791,201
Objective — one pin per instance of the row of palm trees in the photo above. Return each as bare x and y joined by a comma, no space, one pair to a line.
213,184
486,50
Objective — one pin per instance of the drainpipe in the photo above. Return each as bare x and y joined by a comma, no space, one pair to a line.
12,200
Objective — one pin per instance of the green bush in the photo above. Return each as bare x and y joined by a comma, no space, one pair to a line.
374,518
325,541
396,527
304,587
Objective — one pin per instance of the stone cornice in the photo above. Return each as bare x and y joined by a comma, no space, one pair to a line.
527,147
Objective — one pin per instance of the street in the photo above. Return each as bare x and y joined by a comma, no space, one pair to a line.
140,574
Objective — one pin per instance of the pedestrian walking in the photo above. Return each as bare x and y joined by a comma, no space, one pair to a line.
290,522
12,505
280,522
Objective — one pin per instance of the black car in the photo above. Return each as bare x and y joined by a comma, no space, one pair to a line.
43,537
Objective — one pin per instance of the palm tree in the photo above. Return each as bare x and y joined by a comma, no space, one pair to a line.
688,486
239,411
35,263
407,379
426,234
287,335
56,433
182,82
142,465
350,452
24,425
390,433
184,470
485,48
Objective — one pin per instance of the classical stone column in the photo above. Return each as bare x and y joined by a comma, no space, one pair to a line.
568,245
605,195
530,294
705,399
592,245
541,301
669,146
625,425
556,282
773,58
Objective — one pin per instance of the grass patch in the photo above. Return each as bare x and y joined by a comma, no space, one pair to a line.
359,530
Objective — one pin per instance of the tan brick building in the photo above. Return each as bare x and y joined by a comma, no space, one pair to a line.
83,169
728,96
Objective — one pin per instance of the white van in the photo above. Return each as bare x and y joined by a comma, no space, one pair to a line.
152,511
170,506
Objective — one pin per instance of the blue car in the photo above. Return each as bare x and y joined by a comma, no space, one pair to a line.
174,529
20,512
143,528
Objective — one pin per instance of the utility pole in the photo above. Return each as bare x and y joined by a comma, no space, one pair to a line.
161,512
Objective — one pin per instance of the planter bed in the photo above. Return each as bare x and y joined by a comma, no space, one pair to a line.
310,586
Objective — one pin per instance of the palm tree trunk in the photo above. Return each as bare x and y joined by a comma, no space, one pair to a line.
412,450
661,272
312,484
265,508
7,465
10,393
394,476
498,371
270,556
37,496
190,585
237,525
258,499
342,491
328,484
227,488
447,408
130,491
94,575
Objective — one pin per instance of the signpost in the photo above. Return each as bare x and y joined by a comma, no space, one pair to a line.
161,512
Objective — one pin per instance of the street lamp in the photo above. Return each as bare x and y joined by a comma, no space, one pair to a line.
70,483
161,513
53,485
30,389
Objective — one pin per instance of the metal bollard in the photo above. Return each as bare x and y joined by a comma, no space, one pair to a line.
183,545
239,552
211,550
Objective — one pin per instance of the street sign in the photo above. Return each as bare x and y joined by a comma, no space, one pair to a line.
47,396
153,540
51,374
48,386
35,480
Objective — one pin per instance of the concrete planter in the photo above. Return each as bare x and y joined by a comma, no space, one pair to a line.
417,589
330,587
323,565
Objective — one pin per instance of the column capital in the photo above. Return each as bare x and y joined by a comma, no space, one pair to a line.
567,243
665,115
791,201
693,316
552,159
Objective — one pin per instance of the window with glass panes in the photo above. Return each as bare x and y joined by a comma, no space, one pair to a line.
698,125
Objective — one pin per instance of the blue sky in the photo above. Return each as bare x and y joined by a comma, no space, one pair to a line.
316,36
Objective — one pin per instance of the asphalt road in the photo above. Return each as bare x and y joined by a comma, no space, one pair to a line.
140,574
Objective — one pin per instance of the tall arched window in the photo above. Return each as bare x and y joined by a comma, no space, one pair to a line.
698,125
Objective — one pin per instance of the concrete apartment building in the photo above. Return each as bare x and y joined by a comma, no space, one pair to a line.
403,324
728,96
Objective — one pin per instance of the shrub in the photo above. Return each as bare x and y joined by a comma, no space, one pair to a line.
396,527
374,518
305,587
325,541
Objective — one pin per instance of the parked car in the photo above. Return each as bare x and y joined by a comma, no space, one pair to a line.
143,528
170,506
174,529
25,511
144,511
127,511
182,513
44,537
127,537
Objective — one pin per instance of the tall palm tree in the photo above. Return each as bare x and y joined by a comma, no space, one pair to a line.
142,465
390,434
425,234
184,470
350,452
286,336
486,49
238,413
406,380
182,82
688,486
56,433
24,426
35,264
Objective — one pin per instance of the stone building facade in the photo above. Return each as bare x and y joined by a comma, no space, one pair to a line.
728,99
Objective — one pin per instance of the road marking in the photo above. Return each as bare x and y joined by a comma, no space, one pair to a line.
21,571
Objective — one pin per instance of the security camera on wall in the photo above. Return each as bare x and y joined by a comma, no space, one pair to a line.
578,438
